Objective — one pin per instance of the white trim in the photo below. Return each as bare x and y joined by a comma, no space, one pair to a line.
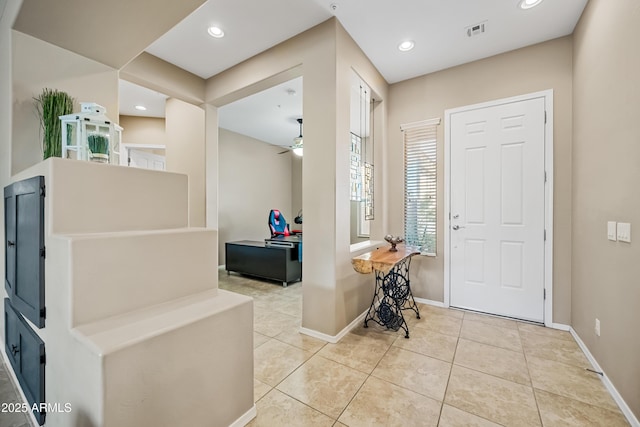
366,245
335,338
245,418
607,382
548,214
430,302
154,146
547,95
447,204
429,122
561,327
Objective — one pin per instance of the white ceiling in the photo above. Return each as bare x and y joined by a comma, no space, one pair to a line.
378,26
250,26
131,95
270,116
438,28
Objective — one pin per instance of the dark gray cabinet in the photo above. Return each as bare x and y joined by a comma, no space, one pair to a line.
27,356
24,247
24,283
256,259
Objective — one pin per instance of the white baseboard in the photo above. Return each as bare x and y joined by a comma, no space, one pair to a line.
429,302
335,338
607,382
245,418
633,420
561,327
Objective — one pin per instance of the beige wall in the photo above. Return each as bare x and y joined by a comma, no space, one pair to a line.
312,54
296,186
332,293
6,105
606,173
353,290
112,32
143,130
253,179
535,68
186,127
185,152
28,65
37,65
99,372
188,124
211,165
151,72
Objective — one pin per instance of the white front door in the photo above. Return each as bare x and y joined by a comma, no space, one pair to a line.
497,207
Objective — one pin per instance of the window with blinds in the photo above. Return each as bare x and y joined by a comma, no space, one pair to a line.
420,169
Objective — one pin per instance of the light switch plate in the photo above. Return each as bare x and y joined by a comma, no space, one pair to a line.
611,230
624,232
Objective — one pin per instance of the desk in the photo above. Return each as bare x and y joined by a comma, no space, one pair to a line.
393,291
265,259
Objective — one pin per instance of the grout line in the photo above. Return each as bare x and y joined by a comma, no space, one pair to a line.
533,391
471,413
453,359
452,363
366,379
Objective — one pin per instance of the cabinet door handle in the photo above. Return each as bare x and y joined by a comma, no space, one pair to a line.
10,243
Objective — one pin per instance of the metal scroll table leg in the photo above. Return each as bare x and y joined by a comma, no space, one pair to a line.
392,293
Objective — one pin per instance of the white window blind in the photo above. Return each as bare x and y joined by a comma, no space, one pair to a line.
420,168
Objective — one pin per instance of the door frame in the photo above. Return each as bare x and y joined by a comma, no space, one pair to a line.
547,95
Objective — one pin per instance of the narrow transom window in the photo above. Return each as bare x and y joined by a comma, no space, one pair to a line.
420,172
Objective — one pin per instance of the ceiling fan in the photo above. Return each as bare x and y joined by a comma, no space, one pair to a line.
297,142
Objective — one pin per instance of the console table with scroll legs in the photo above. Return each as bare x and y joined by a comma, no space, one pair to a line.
392,293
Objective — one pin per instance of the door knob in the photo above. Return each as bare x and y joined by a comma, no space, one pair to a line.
14,349
457,227
10,243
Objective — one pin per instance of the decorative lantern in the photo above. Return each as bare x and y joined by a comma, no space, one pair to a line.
90,135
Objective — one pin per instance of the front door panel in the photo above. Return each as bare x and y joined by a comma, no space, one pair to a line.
497,209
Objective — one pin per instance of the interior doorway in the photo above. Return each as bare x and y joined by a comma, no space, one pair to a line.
258,168
498,228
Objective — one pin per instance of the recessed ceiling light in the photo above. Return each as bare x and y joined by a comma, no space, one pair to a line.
406,45
528,4
141,108
215,32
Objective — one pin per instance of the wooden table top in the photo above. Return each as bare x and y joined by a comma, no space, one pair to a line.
382,259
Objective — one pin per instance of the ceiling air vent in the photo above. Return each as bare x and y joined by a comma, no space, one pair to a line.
476,30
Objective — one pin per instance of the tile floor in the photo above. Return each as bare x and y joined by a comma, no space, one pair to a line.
457,369
8,394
